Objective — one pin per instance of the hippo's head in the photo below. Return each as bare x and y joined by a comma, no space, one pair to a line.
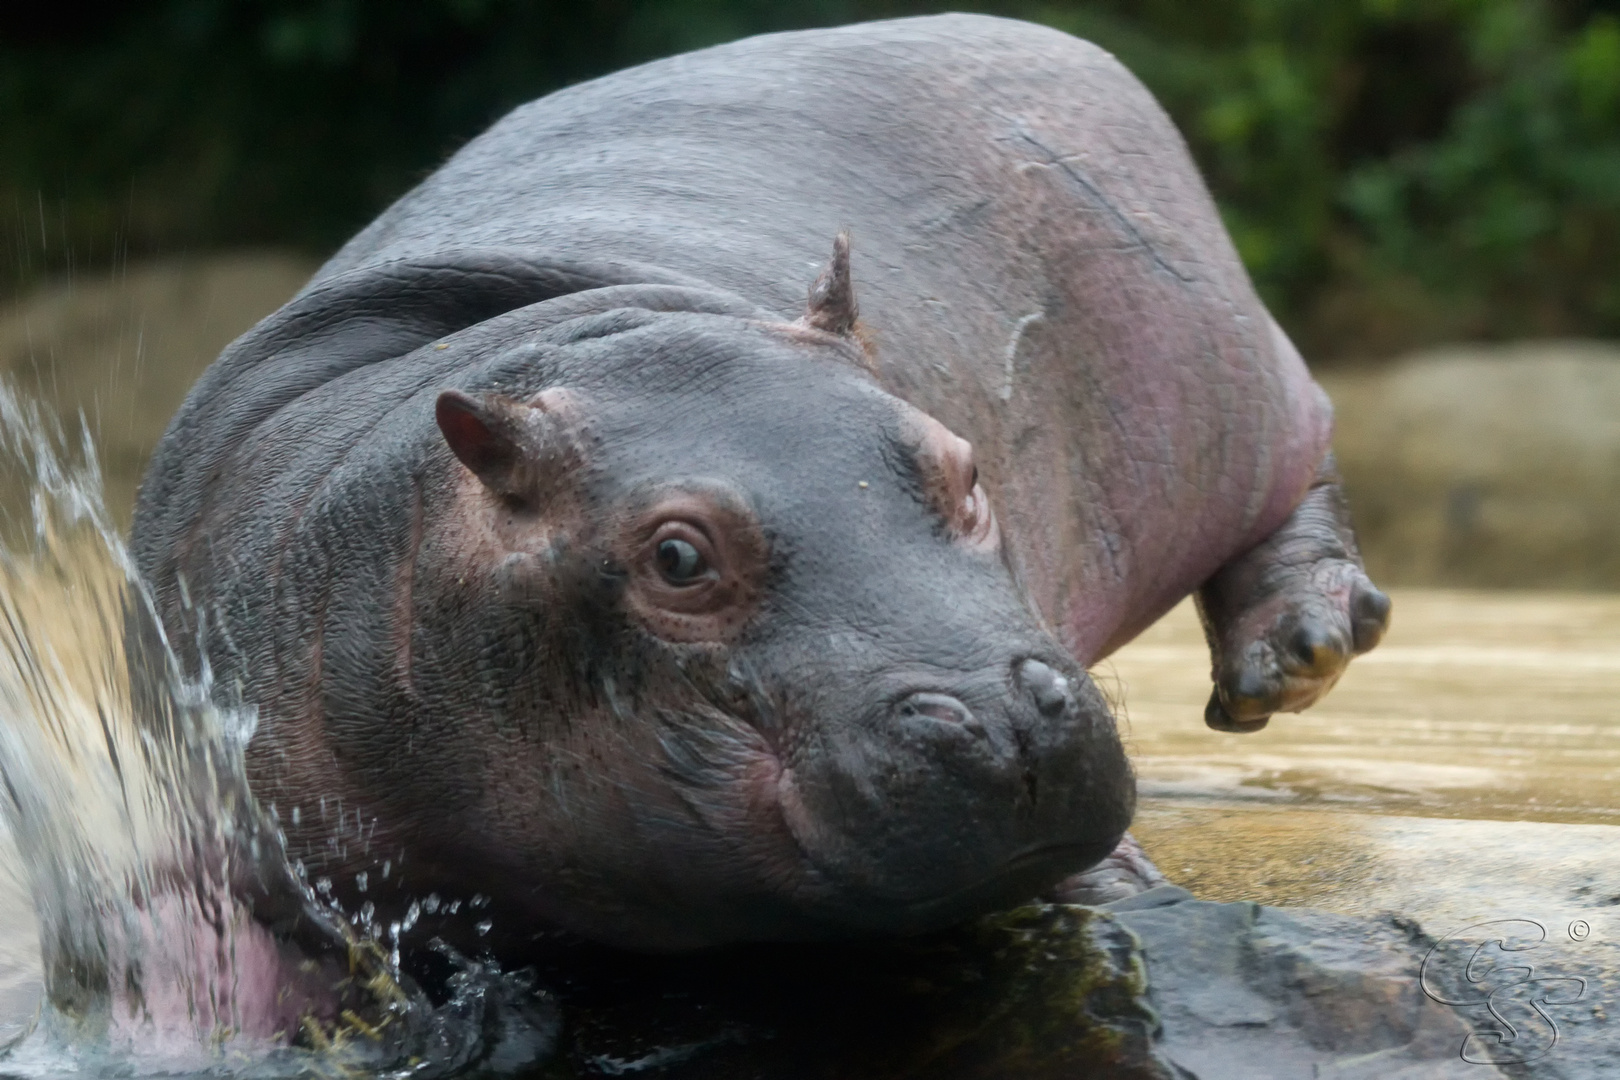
732,652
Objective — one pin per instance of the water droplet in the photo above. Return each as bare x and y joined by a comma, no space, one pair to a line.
361,879
483,927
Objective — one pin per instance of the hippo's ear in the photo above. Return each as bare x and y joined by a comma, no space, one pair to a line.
832,298
506,443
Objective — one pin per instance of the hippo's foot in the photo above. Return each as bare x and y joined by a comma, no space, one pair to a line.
1284,618
1126,872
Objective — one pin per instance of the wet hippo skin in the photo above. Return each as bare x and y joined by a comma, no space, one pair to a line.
577,562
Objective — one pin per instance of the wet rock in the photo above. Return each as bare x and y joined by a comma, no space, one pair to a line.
1255,993
1252,993
1158,985
1537,995
1486,465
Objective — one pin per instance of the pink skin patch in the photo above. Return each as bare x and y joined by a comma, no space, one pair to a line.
195,984
952,481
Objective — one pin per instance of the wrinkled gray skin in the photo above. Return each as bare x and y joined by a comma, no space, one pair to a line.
479,665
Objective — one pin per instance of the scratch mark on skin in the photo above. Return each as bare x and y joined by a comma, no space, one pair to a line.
1011,358
1086,184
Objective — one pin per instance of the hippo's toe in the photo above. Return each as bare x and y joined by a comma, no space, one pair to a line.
1317,622
1369,615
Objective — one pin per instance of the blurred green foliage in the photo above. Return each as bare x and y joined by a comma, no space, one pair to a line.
1393,171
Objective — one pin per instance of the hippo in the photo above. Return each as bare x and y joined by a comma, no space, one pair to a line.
598,556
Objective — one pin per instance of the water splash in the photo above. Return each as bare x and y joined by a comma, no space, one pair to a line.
174,935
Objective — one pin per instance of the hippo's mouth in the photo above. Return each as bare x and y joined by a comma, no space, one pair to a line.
1079,855
1020,877
1038,867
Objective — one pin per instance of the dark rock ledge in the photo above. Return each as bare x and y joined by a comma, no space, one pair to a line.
1156,987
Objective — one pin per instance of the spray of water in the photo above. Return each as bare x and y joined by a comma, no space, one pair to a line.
174,934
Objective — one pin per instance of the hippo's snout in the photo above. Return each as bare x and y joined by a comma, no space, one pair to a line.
1051,693
1024,727
978,790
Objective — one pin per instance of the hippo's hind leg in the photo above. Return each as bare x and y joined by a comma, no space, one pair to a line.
1284,618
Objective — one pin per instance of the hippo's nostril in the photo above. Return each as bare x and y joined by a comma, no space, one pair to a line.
937,707
1052,693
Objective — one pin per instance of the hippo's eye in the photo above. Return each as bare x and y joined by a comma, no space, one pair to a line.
697,565
680,562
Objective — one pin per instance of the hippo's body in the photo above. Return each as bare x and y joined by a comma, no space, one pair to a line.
1039,267
460,687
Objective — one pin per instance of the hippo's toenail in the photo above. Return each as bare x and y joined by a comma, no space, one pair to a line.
1217,717
1371,604
1251,685
1316,648
1369,617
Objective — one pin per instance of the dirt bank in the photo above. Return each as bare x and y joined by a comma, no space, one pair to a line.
124,348
1486,466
